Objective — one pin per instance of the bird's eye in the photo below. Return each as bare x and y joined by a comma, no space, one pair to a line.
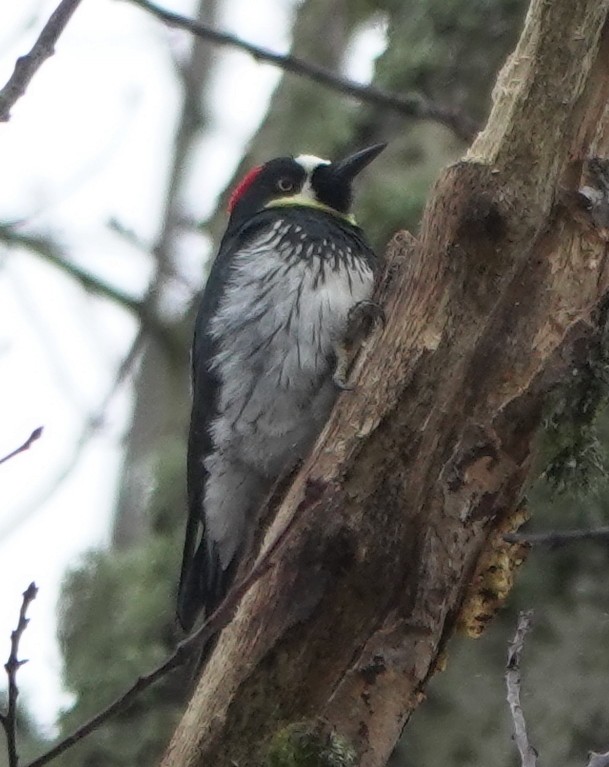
285,185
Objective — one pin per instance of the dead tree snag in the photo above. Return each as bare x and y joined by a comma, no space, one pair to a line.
428,456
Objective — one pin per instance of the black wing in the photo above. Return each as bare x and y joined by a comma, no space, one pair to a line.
203,582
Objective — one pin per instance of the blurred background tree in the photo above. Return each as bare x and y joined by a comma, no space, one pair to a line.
117,606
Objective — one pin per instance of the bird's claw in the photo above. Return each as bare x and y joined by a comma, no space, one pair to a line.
342,366
362,318
340,381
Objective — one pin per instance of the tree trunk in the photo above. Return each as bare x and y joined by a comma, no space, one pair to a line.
426,459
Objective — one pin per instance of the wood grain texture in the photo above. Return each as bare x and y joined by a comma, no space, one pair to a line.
491,307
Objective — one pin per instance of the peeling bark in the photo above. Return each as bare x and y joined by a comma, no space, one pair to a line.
418,466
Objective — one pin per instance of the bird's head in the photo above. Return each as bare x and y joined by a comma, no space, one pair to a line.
306,180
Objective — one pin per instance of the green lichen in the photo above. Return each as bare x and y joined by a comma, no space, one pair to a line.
309,744
575,460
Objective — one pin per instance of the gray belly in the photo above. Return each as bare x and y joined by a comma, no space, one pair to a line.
271,428
278,338
277,328
263,429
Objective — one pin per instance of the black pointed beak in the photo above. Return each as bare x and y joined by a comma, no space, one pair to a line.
346,170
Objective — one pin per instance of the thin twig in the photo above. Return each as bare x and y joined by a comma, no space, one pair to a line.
27,66
36,434
409,105
211,626
12,666
93,424
49,251
555,538
528,755
176,659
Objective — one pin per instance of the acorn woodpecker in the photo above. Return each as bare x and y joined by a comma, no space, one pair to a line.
268,356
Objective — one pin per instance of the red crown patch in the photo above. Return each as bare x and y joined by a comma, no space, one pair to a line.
242,187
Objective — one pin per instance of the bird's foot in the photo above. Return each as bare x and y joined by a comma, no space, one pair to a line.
363,317
341,383
340,371
361,320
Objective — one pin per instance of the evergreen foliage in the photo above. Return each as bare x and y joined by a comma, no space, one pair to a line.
117,622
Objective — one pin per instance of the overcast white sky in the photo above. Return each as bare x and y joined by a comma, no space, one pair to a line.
90,142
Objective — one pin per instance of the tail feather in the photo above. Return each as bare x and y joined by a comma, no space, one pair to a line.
203,586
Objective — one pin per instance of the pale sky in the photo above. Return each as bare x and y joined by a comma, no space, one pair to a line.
72,158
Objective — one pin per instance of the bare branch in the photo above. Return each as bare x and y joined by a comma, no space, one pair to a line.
410,106
36,434
27,66
528,755
93,423
49,251
176,659
556,538
194,642
12,666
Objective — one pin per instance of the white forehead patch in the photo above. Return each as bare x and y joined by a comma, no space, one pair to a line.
309,162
